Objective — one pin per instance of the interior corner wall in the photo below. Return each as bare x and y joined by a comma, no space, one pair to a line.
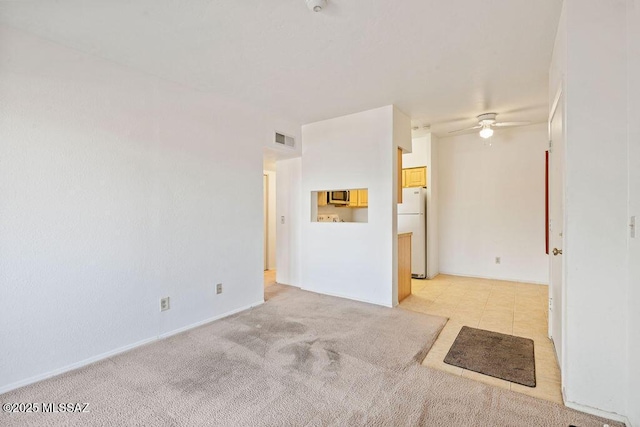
288,221
351,260
115,189
401,143
425,153
491,204
633,298
433,233
596,206
420,154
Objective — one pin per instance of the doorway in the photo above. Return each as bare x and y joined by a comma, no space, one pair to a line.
269,225
265,214
556,225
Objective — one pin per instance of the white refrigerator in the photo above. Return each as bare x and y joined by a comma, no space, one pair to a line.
412,218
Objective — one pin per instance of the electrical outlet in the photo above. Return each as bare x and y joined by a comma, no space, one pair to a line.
164,304
497,260
219,288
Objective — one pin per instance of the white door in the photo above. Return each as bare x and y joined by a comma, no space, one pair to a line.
556,225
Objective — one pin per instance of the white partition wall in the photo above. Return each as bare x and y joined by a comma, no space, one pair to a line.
353,260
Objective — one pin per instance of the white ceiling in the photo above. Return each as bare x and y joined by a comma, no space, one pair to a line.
442,62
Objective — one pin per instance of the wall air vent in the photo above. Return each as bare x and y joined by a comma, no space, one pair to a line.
285,140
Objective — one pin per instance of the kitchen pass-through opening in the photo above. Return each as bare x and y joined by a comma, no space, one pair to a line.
340,205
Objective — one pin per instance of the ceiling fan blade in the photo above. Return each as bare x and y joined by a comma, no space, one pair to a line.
466,129
506,124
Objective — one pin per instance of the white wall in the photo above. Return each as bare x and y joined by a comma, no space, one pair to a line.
433,229
633,298
271,219
420,154
557,103
425,153
597,60
352,260
288,234
115,190
595,246
491,204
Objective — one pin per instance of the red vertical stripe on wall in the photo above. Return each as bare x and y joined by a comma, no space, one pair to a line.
546,201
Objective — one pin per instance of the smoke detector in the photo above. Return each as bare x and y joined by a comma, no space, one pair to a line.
316,5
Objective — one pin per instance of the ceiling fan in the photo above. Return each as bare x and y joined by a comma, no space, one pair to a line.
486,123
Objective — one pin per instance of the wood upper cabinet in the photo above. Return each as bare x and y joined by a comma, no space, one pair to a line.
363,198
353,198
414,177
322,198
359,198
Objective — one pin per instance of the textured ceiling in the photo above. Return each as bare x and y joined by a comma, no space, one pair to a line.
441,62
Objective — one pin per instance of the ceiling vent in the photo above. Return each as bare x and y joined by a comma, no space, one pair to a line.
285,140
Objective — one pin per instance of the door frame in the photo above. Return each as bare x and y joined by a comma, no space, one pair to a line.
265,219
561,309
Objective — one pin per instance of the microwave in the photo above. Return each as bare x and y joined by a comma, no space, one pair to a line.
338,197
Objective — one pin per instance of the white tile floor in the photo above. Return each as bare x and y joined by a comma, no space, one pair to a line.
507,307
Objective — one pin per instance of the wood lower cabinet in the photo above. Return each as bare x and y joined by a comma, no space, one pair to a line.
414,177
404,266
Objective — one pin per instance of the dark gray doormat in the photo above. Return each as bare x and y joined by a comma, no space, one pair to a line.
502,356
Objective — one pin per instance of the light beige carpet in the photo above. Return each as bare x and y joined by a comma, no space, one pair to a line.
301,359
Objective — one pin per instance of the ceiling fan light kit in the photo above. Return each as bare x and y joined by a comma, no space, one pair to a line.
486,123
486,120
486,132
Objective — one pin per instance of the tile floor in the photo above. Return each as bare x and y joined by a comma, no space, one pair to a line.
507,307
